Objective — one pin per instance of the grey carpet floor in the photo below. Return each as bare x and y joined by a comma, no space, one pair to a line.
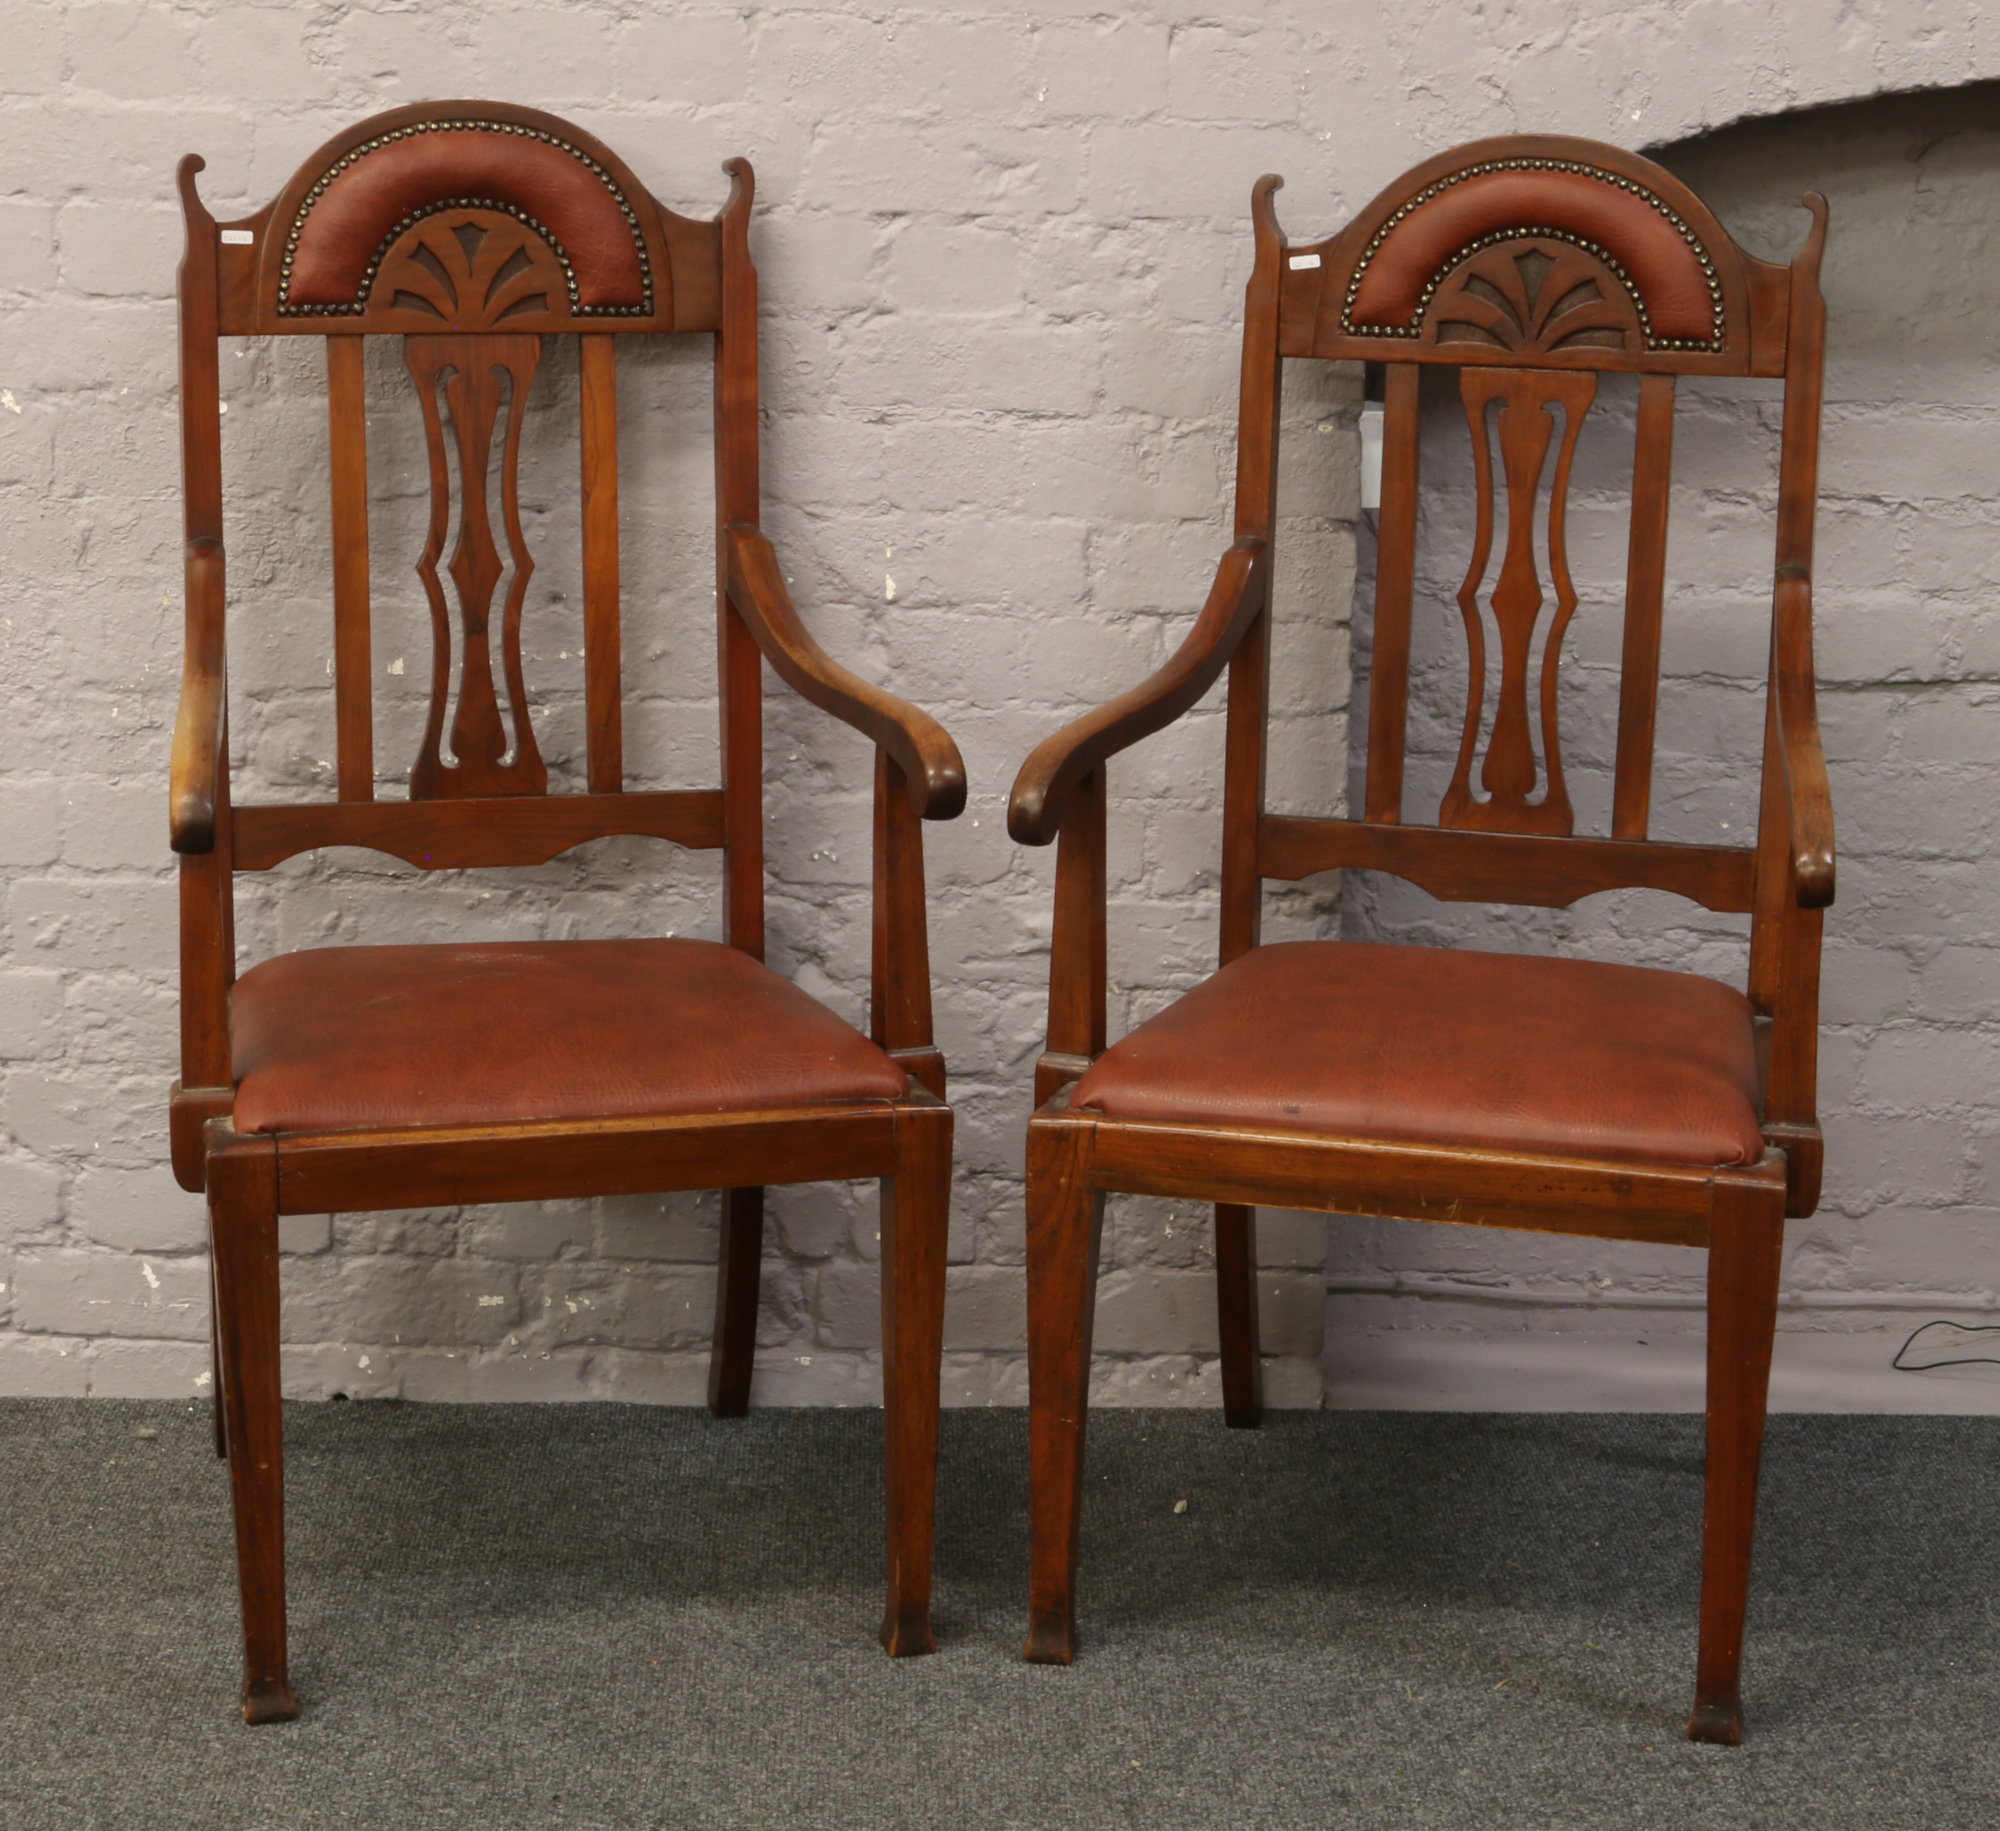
601,1616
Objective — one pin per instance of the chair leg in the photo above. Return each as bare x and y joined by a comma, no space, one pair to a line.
734,1349
1236,1302
1065,1225
1744,1256
916,1219
243,1234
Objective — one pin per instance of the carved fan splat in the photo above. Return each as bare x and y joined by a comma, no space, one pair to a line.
1526,429
471,370
1536,296
467,269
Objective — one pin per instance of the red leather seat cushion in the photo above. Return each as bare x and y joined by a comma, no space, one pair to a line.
336,1038
1422,1044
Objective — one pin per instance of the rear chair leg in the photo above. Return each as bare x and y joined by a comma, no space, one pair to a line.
916,1219
734,1350
1065,1225
1744,1255
1236,1301
243,1234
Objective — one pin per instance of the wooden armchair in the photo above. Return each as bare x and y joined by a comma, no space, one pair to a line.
387,1077
1560,1095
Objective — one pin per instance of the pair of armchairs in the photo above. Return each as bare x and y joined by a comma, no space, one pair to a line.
1478,1088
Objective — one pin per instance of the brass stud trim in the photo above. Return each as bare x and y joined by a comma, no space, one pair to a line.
1414,329
288,308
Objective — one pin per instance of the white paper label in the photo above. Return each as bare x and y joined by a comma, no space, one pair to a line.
1304,260
239,238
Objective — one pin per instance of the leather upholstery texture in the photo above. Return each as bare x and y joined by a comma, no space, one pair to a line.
1664,266
347,224
1572,1058
340,1038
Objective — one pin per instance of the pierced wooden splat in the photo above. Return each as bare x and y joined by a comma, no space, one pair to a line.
1531,297
470,269
1526,430
468,371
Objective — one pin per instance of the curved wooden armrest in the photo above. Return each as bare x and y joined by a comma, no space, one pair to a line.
1058,764
923,748
196,784
1809,798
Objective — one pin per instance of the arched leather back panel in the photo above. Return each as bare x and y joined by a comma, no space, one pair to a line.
1670,276
334,251
371,195
1649,279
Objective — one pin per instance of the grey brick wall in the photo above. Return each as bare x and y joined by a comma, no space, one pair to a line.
1003,252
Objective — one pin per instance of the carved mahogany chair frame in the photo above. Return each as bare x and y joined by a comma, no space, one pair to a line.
1636,276
473,230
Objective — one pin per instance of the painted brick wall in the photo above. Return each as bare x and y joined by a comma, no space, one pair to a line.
1002,253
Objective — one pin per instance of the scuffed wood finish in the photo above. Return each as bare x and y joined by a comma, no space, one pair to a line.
1504,285
472,287
603,693
353,673
1508,774
481,741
